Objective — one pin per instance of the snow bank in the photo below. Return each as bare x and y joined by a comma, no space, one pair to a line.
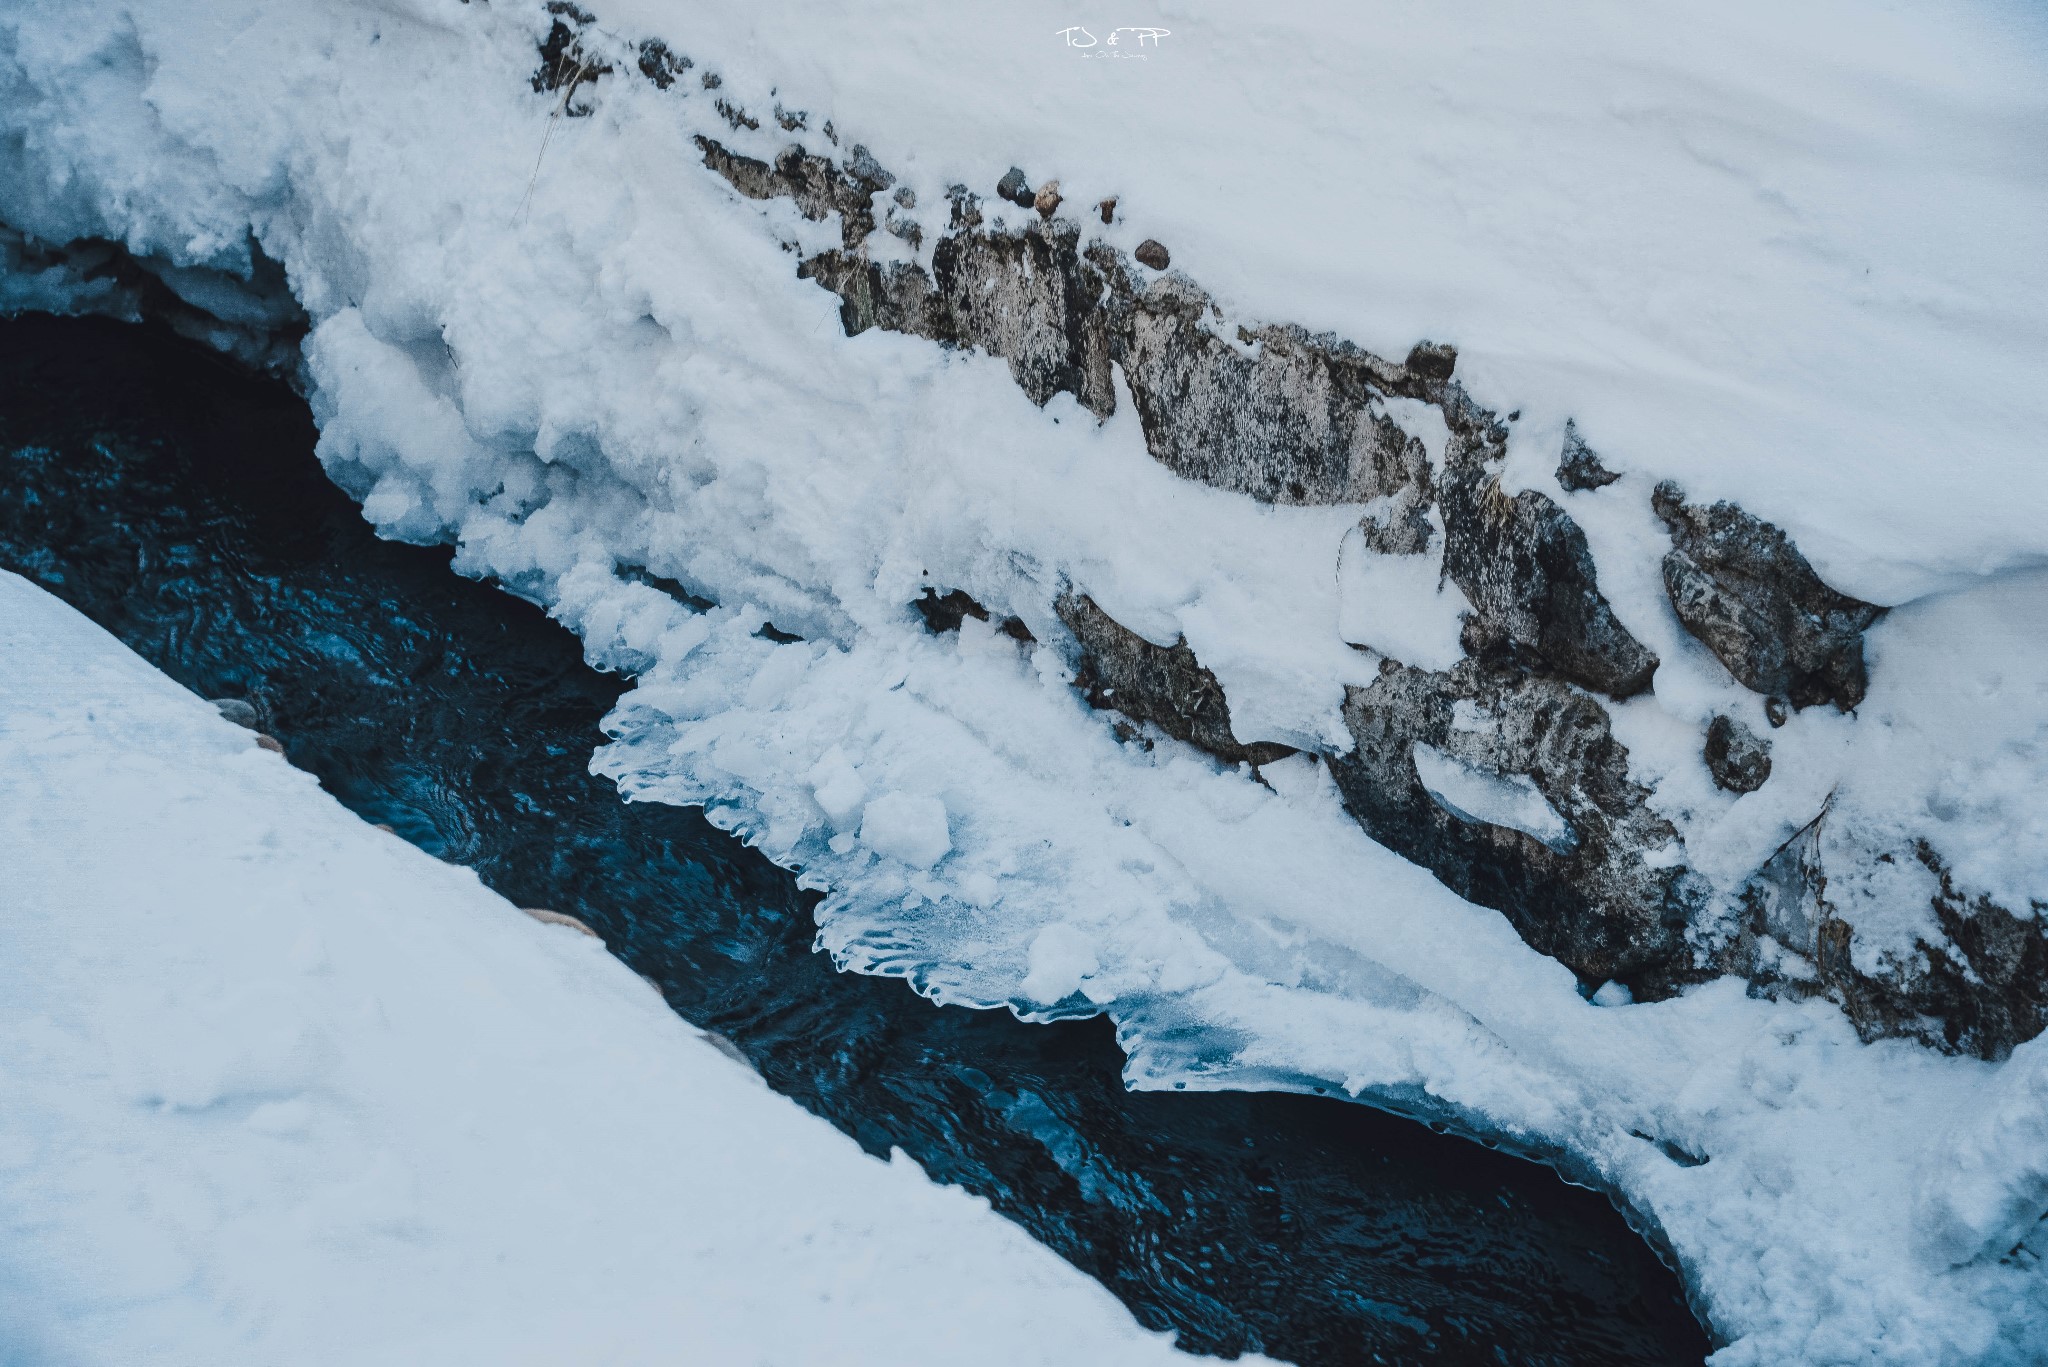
281,1088
1716,234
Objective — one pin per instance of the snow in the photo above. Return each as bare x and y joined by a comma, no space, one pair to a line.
1511,800
1794,258
282,1088
906,827
1400,605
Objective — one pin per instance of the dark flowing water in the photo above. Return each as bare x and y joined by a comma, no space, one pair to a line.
176,501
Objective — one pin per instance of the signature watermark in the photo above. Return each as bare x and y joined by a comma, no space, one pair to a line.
1126,43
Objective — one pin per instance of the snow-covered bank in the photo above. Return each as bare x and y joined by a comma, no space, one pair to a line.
281,1088
618,384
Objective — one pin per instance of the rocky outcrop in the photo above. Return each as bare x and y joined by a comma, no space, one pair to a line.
1979,987
1283,416
1164,685
1277,414
818,186
1746,592
1593,901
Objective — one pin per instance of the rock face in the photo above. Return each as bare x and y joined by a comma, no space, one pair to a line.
1164,685
1596,904
1739,760
1300,421
1748,594
1524,566
1983,989
818,185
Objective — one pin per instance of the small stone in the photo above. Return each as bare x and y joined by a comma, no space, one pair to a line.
239,711
1774,712
1108,209
1152,253
270,743
1736,756
557,918
906,197
1578,469
1432,360
1047,200
385,827
1015,188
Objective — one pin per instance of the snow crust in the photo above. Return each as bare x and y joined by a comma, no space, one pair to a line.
1511,800
1789,258
281,1088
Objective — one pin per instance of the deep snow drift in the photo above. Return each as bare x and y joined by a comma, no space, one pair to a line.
1712,235
282,1088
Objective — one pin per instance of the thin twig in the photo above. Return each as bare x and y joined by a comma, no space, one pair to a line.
583,66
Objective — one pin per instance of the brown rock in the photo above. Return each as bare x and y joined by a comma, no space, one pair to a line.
270,743
1047,200
557,918
1152,253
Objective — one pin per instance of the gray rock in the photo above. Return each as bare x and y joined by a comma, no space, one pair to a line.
819,187
1578,469
1750,597
239,711
1163,685
1525,567
1595,905
661,65
1027,295
1979,987
1432,360
1297,421
1736,756
1016,188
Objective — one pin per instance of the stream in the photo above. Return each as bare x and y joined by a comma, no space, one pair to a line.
175,499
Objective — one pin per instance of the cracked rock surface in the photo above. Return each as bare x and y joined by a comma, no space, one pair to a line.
1742,588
